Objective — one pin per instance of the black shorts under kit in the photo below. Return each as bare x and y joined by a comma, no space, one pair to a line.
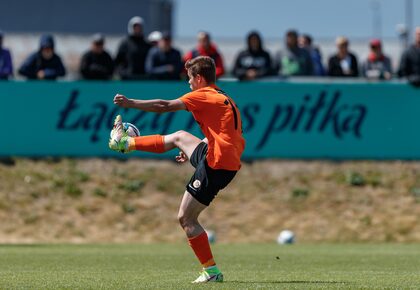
206,181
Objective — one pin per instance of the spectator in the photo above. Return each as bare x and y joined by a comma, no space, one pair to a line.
163,61
6,67
253,62
132,52
294,61
44,63
410,61
96,63
154,38
305,41
206,48
344,63
377,66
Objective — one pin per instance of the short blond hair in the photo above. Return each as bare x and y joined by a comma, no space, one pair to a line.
341,40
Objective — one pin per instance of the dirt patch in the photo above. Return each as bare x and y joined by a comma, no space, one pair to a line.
97,200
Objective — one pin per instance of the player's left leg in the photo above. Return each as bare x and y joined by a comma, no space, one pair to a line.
188,214
121,142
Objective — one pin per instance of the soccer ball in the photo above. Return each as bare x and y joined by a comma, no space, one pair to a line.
286,237
211,235
130,129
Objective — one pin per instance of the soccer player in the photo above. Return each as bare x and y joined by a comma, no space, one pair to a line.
216,158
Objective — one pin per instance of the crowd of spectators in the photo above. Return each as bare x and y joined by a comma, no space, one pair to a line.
154,58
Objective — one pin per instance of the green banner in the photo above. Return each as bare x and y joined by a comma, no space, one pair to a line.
280,120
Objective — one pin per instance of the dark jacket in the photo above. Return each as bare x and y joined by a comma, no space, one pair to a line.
294,62
52,68
96,66
316,57
6,66
410,62
258,60
131,58
159,64
335,70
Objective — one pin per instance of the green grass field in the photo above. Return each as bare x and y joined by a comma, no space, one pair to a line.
245,266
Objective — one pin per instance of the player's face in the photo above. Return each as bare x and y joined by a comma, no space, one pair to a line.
192,81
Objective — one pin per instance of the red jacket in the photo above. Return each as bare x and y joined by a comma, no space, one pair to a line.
212,52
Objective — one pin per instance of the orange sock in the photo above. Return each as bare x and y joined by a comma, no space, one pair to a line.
201,247
151,143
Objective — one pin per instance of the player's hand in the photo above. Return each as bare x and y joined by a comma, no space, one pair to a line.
181,157
121,101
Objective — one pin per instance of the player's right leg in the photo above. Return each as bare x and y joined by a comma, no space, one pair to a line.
121,142
188,214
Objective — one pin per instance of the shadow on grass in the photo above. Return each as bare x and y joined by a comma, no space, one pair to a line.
288,282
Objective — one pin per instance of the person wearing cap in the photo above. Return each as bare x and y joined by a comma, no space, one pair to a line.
205,47
6,66
410,61
132,52
253,62
43,64
163,61
377,65
343,63
293,61
97,64
154,37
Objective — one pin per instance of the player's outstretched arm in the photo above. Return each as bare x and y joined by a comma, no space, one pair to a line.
156,105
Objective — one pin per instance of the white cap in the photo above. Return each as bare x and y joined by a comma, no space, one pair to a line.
154,36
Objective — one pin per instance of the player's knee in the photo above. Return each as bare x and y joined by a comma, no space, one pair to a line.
184,220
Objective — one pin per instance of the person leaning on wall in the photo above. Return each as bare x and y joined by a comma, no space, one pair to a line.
132,52
343,63
163,61
6,65
306,42
206,47
293,60
43,64
377,65
254,61
410,61
97,64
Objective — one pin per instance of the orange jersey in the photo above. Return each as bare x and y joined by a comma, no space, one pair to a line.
220,121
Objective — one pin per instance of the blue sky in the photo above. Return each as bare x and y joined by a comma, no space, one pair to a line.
321,18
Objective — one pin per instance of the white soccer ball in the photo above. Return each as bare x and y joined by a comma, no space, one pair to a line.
286,237
211,235
130,129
